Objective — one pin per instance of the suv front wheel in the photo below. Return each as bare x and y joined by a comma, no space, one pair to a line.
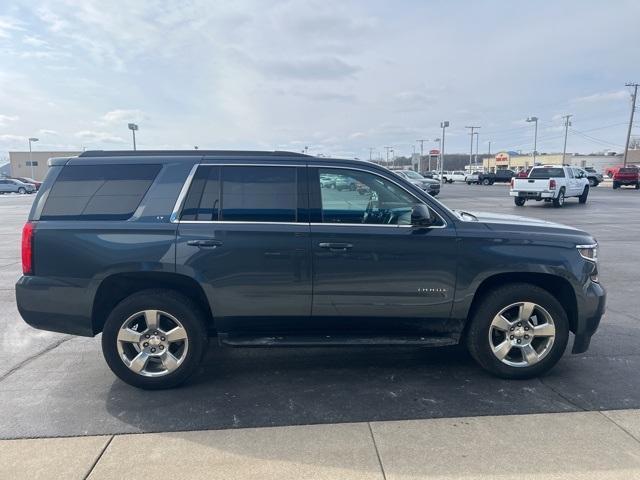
518,331
154,339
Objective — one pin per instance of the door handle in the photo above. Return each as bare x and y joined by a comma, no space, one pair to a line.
336,247
204,243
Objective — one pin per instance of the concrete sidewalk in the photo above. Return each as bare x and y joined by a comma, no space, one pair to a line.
583,445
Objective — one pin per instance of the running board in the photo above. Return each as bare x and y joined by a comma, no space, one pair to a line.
333,340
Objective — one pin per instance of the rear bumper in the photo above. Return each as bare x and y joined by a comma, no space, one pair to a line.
54,305
589,316
533,195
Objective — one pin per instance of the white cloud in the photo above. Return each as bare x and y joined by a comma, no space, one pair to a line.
98,137
44,131
614,96
8,26
5,119
123,116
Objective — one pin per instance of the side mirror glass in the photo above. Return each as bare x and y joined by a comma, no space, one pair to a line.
421,216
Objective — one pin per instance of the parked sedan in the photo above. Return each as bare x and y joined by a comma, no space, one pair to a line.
35,183
11,185
429,185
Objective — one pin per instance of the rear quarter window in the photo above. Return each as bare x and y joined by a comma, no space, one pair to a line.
98,192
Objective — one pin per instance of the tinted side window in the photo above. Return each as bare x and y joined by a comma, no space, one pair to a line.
98,192
259,194
356,197
203,200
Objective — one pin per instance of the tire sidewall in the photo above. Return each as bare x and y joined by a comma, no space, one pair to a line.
170,302
478,332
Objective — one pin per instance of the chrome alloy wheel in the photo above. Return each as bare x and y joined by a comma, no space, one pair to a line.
152,343
522,334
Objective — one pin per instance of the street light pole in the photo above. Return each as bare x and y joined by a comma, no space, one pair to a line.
133,127
535,137
443,125
31,140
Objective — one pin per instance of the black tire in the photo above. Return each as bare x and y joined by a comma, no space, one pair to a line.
637,186
592,182
477,336
585,193
558,202
469,183
616,185
182,308
519,201
22,191
486,182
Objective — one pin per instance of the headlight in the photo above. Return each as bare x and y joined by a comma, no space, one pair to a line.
589,252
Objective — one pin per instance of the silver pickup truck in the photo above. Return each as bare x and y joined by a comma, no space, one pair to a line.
551,183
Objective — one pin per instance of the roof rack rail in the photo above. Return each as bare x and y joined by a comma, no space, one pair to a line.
189,153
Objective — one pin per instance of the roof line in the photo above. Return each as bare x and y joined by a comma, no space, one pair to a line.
190,153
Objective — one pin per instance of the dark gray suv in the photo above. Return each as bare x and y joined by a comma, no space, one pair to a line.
161,251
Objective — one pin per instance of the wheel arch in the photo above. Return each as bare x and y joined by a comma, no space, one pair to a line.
558,287
115,288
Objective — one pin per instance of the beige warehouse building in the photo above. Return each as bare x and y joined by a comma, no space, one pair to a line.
21,166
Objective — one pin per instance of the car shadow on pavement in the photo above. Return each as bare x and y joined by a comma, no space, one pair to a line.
279,386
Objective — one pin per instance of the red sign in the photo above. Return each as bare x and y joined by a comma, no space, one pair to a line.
502,158
434,152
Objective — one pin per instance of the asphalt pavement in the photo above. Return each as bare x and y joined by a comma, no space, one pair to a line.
55,385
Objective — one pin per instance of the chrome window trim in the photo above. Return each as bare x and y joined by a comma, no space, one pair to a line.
187,184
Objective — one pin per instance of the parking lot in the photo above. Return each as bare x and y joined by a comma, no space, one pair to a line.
56,385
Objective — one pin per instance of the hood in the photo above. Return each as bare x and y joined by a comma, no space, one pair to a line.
497,221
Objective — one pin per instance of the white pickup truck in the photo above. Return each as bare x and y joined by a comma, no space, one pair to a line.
551,183
455,176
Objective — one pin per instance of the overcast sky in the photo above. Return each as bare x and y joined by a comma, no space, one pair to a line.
337,76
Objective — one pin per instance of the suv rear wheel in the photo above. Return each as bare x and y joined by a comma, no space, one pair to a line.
518,331
519,201
154,339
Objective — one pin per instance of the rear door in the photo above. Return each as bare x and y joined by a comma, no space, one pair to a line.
244,236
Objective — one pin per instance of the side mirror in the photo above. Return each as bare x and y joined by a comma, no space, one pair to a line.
421,216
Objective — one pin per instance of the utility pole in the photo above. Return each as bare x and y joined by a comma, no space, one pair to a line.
443,125
535,137
567,124
634,96
471,148
475,159
370,153
387,149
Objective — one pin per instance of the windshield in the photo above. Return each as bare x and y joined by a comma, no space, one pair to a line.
547,172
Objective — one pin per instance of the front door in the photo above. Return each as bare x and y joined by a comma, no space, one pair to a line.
373,271
244,237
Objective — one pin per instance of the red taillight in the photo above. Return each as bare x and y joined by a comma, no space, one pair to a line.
512,182
552,184
27,248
